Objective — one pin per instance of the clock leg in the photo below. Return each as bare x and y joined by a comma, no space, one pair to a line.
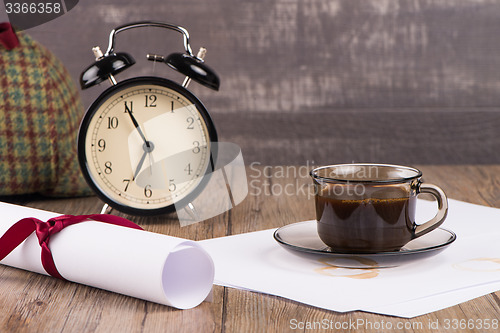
106,209
191,210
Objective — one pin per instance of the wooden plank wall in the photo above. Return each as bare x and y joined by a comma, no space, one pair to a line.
322,81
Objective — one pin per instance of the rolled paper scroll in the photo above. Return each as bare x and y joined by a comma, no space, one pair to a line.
150,266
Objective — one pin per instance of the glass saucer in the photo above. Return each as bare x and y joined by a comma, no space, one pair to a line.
302,239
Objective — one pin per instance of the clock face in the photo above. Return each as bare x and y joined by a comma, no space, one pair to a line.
144,145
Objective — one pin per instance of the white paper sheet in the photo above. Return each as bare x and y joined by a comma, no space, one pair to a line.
146,265
469,268
420,306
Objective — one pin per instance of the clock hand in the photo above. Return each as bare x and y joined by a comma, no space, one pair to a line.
149,145
147,152
136,124
139,166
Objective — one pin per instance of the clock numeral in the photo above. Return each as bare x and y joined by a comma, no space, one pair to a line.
190,122
196,148
150,101
101,144
112,122
188,169
127,183
147,191
171,185
107,168
172,106
127,108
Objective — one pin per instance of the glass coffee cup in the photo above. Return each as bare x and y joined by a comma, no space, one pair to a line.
370,208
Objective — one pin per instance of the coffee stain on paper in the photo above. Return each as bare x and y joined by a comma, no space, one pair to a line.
365,268
479,265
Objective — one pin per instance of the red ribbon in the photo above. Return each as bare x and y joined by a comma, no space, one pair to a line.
20,230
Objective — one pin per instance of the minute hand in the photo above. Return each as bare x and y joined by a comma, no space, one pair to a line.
136,124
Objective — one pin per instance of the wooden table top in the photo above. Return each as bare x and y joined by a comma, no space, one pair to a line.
277,196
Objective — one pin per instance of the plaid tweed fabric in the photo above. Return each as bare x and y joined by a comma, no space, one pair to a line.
40,110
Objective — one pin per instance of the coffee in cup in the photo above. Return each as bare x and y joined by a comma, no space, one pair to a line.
370,208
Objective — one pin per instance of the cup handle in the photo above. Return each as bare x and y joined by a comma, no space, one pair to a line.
436,221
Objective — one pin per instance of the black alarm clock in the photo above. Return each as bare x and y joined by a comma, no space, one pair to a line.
145,145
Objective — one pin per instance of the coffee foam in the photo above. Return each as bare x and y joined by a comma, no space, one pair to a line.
361,192
371,200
